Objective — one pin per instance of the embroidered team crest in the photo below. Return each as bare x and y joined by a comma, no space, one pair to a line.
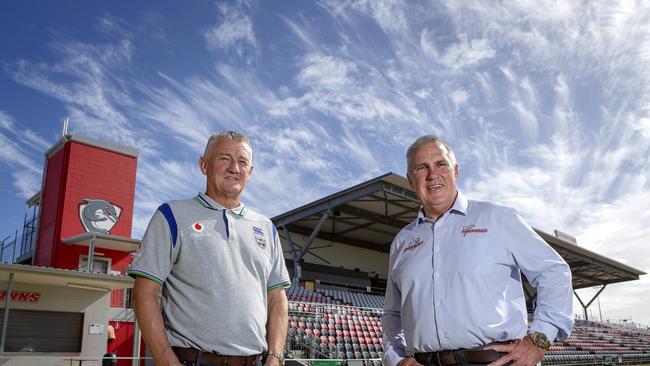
197,227
261,242
471,229
98,216
413,244
259,237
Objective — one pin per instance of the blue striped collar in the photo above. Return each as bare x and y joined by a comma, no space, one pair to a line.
207,202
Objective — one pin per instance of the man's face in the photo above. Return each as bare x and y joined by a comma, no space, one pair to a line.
433,178
227,166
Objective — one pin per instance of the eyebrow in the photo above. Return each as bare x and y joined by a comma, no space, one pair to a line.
221,154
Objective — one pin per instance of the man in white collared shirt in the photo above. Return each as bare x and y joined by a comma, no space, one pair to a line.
454,292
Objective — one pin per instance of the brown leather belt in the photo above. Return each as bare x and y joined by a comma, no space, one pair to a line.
212,359
460,357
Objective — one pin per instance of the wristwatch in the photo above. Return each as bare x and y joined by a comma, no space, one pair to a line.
540,340
278,355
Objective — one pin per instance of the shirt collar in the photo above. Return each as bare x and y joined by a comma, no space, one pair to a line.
207,202
459,207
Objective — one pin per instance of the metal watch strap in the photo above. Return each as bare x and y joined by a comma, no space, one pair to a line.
540,340
278,355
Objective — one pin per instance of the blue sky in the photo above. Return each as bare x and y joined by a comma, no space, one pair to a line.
547,104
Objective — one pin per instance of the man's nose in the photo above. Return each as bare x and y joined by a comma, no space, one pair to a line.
234,167
431,173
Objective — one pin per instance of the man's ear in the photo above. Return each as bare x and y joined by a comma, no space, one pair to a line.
411,182
203,165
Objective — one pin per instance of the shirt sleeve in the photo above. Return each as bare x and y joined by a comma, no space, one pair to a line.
547,272
154,259
279,277
393,333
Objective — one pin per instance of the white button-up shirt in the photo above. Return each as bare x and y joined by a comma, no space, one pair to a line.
456,282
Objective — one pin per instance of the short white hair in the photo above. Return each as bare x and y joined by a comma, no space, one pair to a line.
428,139
226,135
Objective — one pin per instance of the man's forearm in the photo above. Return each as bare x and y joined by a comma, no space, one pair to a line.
151,323
276,324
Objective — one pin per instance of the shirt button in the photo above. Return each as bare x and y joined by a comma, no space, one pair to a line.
437,302
436,249
436,275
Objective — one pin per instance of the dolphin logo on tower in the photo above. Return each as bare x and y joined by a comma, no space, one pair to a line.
98,215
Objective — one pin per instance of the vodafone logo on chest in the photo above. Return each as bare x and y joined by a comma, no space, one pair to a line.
21,296
198,227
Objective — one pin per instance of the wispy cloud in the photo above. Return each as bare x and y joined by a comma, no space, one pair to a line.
234,31
18,146
466,53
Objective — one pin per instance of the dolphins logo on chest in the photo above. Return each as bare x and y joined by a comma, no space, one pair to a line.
98,216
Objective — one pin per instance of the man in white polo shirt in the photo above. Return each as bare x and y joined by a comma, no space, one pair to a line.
221,270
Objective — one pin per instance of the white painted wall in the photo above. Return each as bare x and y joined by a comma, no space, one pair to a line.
95,306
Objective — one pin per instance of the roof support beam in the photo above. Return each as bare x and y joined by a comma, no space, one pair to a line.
299,214
314,233
584,307
298,254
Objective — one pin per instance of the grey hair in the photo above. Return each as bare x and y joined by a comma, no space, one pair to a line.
226,135
428,139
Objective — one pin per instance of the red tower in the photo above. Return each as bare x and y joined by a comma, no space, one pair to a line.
87,206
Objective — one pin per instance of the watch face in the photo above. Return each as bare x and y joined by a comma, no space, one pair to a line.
540,340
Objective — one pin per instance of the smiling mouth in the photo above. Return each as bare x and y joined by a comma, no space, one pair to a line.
434,187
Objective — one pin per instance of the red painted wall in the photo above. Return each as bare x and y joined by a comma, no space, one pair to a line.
51,203
122,346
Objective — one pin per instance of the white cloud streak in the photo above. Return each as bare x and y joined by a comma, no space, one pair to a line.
234,32
17,148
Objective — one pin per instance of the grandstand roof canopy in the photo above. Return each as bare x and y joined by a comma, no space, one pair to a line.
370,214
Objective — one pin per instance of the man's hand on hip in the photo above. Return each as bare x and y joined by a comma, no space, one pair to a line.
521,353
409,361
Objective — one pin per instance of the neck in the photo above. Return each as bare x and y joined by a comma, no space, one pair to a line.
225,201
434,213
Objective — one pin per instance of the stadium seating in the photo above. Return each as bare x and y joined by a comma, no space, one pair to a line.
600,343
335,324
321,327
357,299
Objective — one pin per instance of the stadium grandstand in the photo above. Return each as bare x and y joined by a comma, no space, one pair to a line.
338,248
